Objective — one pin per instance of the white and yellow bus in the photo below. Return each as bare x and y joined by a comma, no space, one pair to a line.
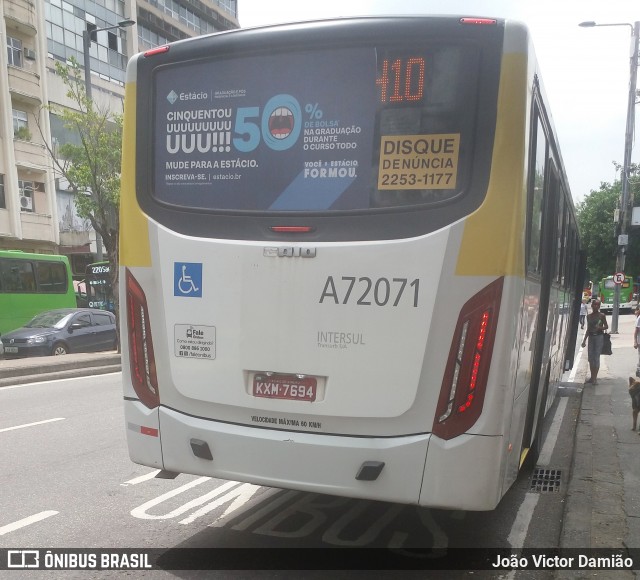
349,258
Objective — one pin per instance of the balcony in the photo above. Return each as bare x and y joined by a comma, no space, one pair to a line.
25,84
75,239
5,224
37,226
20,15
30,155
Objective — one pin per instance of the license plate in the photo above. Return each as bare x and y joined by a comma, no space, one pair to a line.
11,349
288,387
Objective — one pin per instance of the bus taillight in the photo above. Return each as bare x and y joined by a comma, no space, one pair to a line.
481,21
141,357
465,378
156,50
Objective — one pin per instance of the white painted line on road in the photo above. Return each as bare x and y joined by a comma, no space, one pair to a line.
141,479
40,383
26,522
552,436
31,424
520,526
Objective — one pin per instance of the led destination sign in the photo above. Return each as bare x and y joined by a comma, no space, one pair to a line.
401,80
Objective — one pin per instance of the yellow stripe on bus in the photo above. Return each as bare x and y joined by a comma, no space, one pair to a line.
493,238
134,229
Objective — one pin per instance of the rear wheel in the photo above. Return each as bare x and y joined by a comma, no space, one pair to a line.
59,349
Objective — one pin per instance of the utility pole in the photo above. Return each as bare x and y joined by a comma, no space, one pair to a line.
625,202
86,45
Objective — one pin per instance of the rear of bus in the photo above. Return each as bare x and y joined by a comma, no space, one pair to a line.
304,302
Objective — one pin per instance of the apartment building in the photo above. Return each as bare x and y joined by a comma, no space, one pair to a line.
37,212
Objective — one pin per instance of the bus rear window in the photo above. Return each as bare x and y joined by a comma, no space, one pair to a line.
342,129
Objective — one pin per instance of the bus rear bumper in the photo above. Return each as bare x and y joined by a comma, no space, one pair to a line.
464,473
311,462
143,434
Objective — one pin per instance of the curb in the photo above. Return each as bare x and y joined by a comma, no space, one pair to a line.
38,369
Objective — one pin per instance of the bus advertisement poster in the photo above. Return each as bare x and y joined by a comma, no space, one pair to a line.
227,127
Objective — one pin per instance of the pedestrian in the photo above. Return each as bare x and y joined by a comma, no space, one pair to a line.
596,325
583,313
636,339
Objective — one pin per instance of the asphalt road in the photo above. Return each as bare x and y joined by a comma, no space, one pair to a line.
67,481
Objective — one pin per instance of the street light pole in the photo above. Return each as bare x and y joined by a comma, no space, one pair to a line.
86,45
626,201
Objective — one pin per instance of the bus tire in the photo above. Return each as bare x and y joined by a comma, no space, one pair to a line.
59,348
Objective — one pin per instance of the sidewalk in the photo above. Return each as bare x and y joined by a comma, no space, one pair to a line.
47,368
603,498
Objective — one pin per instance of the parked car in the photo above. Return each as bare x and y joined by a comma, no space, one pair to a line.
57,332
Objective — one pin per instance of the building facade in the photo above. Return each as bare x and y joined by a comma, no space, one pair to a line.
37,212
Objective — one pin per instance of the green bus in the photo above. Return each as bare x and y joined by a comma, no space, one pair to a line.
32,283
607,290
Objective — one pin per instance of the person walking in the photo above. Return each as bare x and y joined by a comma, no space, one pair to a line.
583,313
636,339
596,325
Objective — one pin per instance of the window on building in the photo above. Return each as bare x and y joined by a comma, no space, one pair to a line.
112,40
14,51
3,202
20,124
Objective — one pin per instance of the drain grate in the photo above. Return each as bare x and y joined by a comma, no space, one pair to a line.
546,480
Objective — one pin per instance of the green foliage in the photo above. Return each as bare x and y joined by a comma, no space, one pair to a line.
595,218
92,167
599,233
92,163
22,133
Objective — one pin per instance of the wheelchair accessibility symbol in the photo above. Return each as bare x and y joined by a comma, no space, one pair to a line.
187,279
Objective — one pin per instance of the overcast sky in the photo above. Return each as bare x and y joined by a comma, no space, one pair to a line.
585,70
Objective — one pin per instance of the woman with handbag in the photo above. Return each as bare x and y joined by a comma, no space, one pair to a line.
596,325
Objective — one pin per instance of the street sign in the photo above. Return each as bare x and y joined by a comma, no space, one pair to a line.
618,278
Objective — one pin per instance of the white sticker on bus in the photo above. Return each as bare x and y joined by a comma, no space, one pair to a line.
195,341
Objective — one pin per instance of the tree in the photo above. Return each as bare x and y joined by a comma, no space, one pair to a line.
91,162
598,230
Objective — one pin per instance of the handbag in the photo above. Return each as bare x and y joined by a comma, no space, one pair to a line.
606,344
